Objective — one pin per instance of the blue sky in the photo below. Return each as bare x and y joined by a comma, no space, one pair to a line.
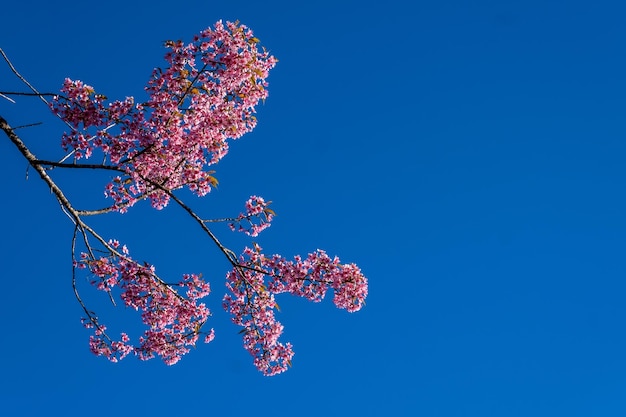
468,156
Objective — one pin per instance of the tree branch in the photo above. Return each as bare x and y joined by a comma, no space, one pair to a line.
33,161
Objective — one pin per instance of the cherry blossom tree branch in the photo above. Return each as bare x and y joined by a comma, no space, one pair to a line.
205,97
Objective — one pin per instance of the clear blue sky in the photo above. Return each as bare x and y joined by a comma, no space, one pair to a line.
469,156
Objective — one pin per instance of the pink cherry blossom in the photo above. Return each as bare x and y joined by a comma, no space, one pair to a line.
204,97
258,217
253,284
173,320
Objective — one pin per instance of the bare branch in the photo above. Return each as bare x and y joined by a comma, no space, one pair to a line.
33,89
28,125
8,98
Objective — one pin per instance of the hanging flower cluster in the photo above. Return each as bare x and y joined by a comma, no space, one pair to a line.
258,278
173,322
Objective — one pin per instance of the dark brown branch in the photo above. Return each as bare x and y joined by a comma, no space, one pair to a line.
16,93
88,166
28,125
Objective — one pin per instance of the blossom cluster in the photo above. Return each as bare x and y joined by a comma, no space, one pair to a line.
257,218
173,321
258,278
204,97
201,100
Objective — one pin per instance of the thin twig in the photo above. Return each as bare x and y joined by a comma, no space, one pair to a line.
33,89
74,150
8,98
21,93
28,125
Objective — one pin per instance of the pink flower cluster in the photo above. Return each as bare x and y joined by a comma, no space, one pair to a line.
173,321
205,96
256,209
251,299
101,345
